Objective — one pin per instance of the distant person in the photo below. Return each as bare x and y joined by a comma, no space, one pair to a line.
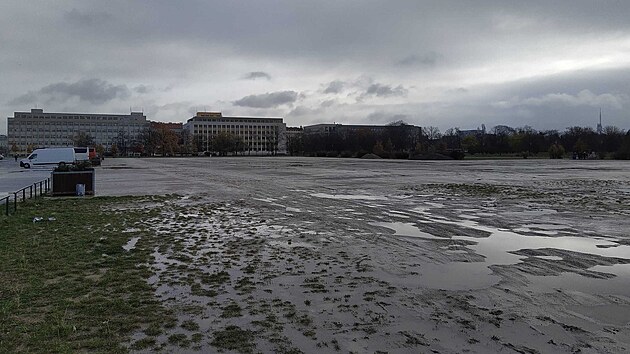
15,155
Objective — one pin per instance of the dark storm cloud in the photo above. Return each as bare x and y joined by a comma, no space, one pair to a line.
428,59
257,75
418,50
268,100
94,91
381,90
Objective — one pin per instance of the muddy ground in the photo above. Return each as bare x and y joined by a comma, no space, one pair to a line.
309,254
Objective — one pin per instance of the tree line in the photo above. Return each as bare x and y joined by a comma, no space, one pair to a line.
397,141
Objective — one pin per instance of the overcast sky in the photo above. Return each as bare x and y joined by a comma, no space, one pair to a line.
547,64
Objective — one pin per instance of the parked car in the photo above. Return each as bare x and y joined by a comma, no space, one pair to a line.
95,159
1,157
49,156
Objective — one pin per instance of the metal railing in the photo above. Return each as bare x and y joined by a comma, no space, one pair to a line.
13,198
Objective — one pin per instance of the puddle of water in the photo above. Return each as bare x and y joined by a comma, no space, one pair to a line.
397,214
348,196
542,232
266,200
496,249
128,230
617,285
551,258
131,244
394,215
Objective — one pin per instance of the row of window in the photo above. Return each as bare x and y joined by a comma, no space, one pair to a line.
76,129
252,120
47,124
232,126
73,117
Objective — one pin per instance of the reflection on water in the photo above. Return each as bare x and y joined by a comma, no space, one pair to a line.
348,196
619,285
497,249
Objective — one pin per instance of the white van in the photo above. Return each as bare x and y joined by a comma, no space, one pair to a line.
82,154
49,156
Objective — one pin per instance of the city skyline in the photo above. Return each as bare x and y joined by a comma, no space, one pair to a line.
549,66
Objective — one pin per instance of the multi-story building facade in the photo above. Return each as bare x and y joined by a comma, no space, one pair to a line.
28,130
260,135
4,144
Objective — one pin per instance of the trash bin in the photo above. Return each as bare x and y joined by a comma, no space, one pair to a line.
80,189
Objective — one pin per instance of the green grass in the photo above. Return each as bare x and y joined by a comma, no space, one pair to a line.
67,285
234,338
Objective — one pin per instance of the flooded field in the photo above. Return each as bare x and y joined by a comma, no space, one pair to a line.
305,254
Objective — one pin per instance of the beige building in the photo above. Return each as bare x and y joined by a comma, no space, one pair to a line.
261,135
38,129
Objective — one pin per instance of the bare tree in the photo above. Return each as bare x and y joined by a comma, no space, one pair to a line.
432,133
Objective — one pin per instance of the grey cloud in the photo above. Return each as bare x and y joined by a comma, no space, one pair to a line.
25,99
142,89
257,75
582,98
428,59
304,111
94,91
381,90
82,18
381,117
328,103
336,86
267,100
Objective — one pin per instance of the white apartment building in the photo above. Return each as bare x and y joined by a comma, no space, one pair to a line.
38,129
261,135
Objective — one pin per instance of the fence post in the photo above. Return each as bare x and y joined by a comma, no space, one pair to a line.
31,188
23,194
40,188
6,204
14,202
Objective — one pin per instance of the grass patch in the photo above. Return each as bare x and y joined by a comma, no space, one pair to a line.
234,338
190,325
231,310
67,284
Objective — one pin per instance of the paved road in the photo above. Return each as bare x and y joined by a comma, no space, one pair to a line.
13,177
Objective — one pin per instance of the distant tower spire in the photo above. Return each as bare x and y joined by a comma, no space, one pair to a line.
600,129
